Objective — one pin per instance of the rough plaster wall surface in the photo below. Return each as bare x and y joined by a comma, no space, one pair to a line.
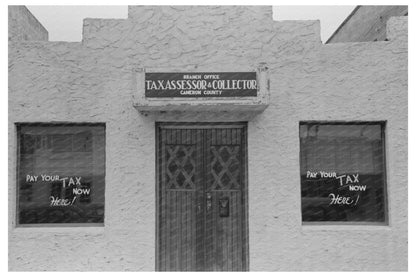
24,26
93,81
367,23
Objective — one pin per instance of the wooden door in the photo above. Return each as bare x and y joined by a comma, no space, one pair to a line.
201,218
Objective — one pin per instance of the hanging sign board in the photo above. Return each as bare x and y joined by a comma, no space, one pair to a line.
201,84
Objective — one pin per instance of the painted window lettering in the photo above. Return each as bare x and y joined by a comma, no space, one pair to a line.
342,172
61,173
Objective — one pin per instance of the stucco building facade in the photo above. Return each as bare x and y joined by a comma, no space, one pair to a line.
24,26
367,23
99,86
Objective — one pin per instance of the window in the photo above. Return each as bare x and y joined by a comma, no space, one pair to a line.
61,173
343,172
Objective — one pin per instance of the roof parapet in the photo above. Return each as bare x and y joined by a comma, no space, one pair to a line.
397,28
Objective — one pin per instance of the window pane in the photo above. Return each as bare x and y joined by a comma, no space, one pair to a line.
61,173
342,172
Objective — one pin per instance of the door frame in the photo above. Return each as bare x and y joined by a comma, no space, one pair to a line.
204,125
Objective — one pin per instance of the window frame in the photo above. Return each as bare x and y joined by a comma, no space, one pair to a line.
18,127
383,125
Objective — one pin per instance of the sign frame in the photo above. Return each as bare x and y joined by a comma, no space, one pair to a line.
162,106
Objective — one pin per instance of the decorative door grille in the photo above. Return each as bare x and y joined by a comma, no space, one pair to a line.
180,166
225,167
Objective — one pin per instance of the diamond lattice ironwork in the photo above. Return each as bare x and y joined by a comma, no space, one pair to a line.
180,166
225,167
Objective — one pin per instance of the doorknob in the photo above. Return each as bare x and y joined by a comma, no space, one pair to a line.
209,201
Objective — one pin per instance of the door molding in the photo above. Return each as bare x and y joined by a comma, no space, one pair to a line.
158,169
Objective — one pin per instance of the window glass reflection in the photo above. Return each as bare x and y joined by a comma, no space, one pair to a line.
61,173
342,172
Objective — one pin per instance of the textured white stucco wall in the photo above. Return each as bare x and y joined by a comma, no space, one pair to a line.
24,26
93,81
